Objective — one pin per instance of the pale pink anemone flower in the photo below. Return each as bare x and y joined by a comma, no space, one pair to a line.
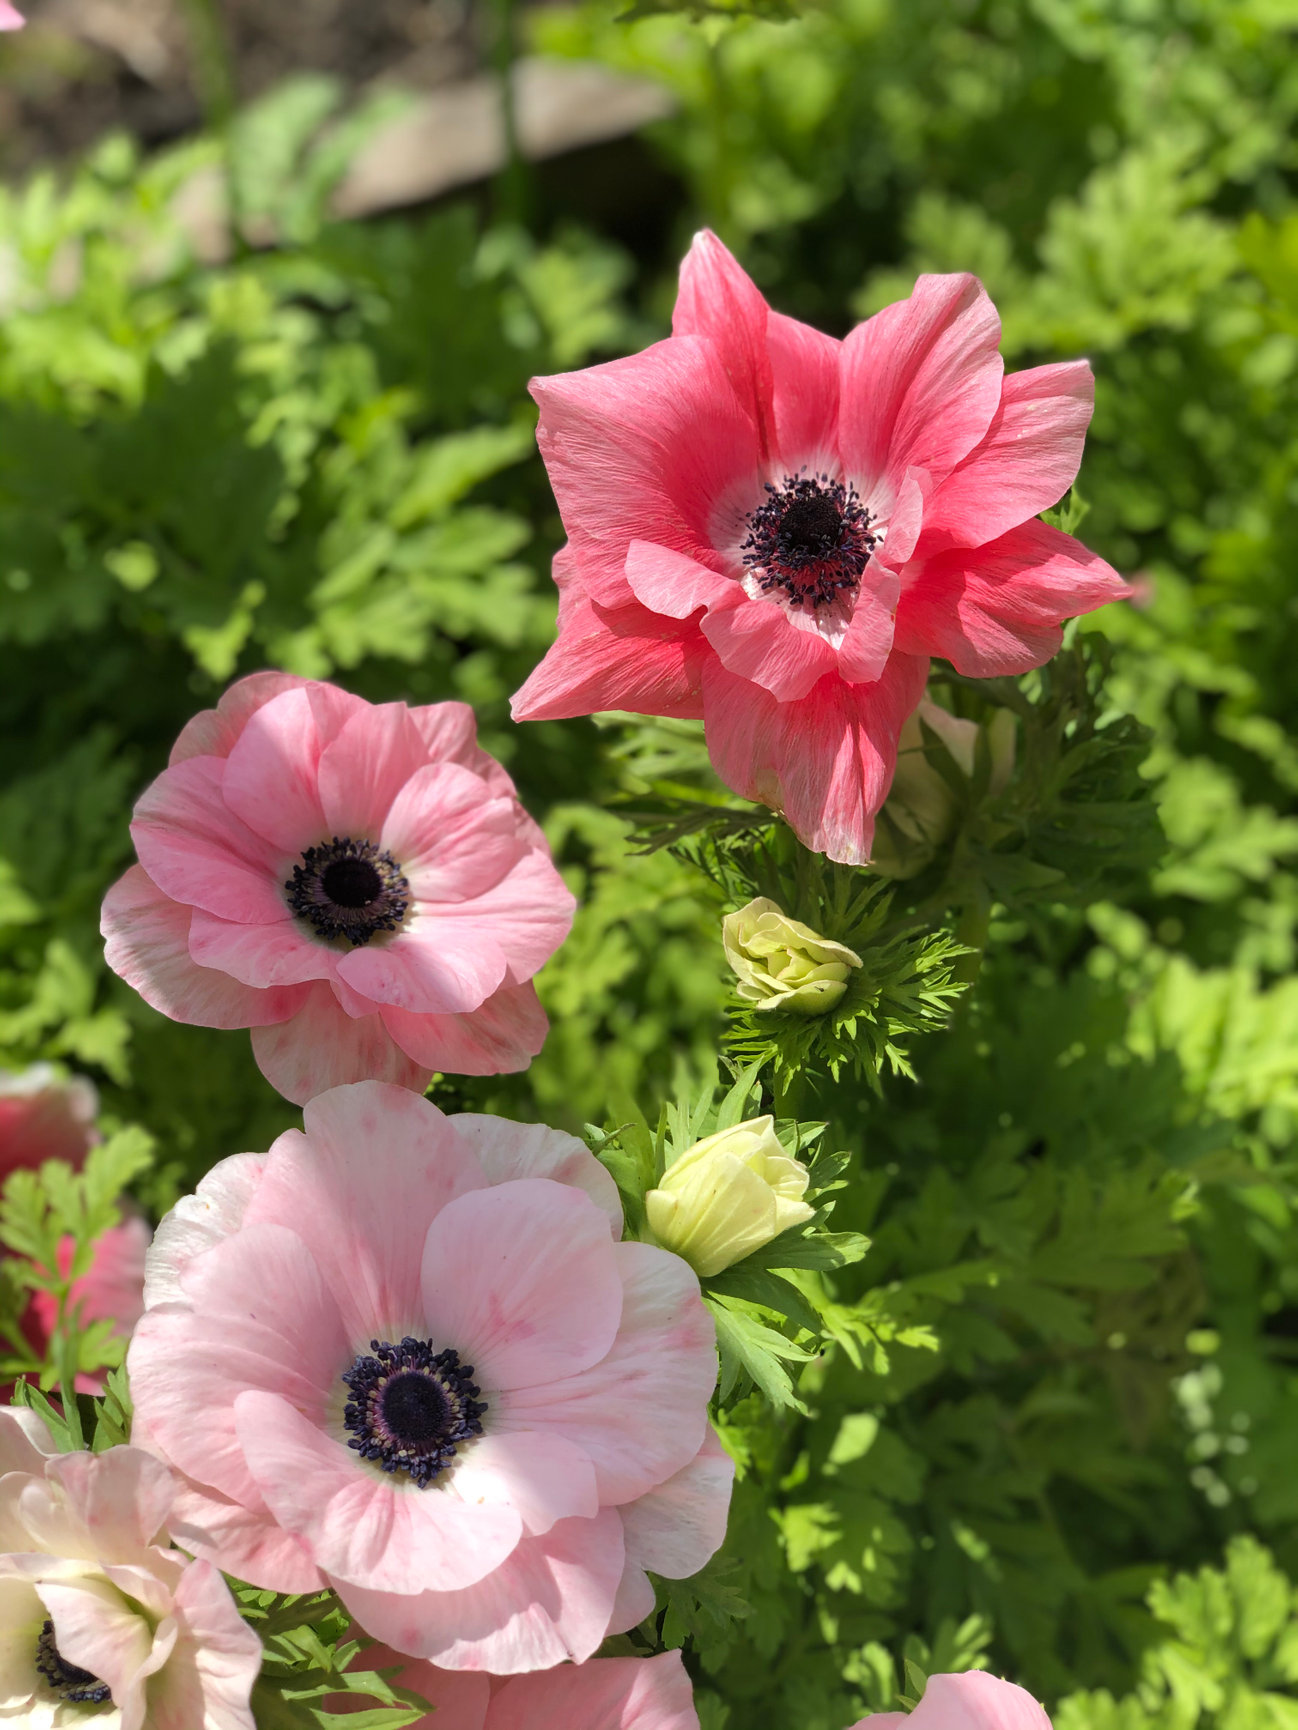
601,1694
970,1701
10,19
45,1116
774,530
430,1376
99,1619
355,882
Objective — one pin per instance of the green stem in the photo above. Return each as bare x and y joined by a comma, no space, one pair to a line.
214,75
513,187
65,1360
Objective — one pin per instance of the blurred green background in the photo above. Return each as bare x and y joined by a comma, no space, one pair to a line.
1070,1449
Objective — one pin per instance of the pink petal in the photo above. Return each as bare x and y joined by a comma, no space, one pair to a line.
544,1478
25,1443
636,1600
363,770
458,1697
267,1320
719,301
522,1280
95,1629
323,1047
198,1221
453,839
528,913
43,1116
500,1037
209,1679
367,1530
450,735
863,653
197,849
435,965
375,1167
674,585
677,1528
122,1496
272,776
976,1701
602,1694
921,381
245,1542
549,1601
805,366
756,640
506,1150
213,732
639,450
640,1413
1026,463
260,956
10,19
622,657
998,609
147,943
825,762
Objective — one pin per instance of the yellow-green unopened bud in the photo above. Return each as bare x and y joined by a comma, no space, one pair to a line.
728,1195
782,963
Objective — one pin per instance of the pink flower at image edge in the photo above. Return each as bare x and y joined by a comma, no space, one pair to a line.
43,1116
774,531
358,884
972,1700
10,19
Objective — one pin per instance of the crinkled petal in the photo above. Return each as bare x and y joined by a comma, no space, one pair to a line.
719,301
364,768
451,836
272,775
757,640
439,963
640,1413
529,913
678,1527
100,1631
522,1280
208,1680
549,1601
998,609
921,381
198,850
122,1497
602,1694
147,942
506,1150
360,1188
826,762
805,368
500,1037
1026,463
358,1524
198,1221
322,1047
214,732
544,1477
450,735
261,956
245,1542
670,583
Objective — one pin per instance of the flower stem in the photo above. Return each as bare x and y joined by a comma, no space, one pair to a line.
214,75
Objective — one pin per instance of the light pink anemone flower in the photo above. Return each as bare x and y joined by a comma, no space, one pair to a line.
971,1701
774,531
357,883
431,1377
602,1694
95,1611
43,1116
10,19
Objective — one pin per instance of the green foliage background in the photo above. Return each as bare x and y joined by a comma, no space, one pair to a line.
1049,1423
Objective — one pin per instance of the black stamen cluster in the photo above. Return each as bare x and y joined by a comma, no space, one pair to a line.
411,1407
68,1681
811,539
350,889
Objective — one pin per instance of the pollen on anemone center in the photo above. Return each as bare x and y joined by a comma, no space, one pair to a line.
810,541
411,1408
68,1682
348,888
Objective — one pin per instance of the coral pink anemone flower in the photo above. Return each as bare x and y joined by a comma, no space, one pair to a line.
602,1694
972,1701
357,883
774,531
98,1619
43,1116
431,1377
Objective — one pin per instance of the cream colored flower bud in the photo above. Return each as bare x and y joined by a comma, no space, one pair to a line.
920,810
728,1195
782,963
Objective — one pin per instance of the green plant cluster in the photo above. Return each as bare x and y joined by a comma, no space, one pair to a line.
1047,1422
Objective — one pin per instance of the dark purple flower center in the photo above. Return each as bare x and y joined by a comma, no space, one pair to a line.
810,541
350,889
68,1681
410,1407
